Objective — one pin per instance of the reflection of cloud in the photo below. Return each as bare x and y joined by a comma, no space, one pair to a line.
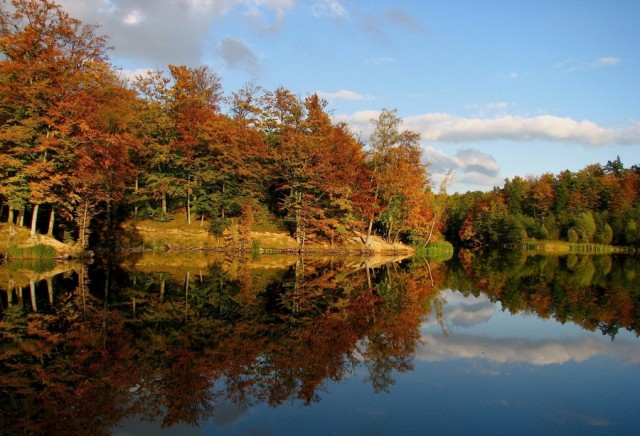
511,350
467,311
471,314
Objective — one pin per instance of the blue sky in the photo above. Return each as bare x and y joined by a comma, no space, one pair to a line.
495,88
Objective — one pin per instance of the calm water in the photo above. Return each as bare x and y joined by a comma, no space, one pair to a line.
494,343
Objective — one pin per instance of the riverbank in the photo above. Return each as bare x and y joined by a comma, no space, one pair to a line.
16,242
177,235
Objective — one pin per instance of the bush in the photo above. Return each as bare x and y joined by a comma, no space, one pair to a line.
572,235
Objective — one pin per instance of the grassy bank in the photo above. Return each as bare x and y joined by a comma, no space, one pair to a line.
437,250
176,234
17,243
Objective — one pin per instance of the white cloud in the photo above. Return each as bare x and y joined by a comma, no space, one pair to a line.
443,127
134,17
175,32
448,128
571,65
607,62
344,94
467,160
131,75
330,8
267,15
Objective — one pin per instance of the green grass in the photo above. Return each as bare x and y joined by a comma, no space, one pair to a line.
39,251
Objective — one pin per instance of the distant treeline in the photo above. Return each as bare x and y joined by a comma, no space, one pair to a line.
599,204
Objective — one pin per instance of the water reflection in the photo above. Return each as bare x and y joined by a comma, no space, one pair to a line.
192,339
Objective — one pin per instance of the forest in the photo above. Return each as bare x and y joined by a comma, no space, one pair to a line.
84,148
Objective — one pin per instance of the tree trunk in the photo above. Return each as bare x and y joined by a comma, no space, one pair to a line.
164,204
21,218
189,200
433,224
84,225
34,220
186,295
52,218
366,242
12,216
135,191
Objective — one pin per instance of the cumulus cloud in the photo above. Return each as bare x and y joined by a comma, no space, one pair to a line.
237,55
175,32
467,160
131,75
448,128
344,94
158,36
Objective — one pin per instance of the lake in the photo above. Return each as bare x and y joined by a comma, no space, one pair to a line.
191,343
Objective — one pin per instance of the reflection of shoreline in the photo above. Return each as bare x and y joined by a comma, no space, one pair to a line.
12,276
196,262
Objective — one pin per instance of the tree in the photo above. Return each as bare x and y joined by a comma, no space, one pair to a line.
397,174
45,56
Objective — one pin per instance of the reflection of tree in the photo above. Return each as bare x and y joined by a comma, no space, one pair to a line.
60,376
595,292
170,347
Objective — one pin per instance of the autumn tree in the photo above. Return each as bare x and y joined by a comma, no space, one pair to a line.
399,178
44,52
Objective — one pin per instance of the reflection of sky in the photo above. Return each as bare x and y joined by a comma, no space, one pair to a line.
493,373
